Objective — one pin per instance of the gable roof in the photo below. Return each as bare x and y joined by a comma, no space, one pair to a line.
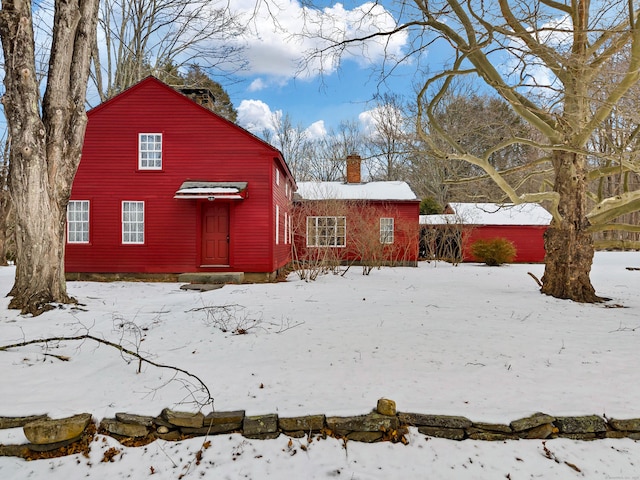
396,191
491,214
151,80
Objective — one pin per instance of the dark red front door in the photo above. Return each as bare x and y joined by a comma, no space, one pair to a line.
215,234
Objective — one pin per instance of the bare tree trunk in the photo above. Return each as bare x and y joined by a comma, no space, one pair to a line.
46,144
568,244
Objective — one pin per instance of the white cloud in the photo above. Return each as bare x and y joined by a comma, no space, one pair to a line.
316,130
381,116
367,122
284,32
256,116
257,85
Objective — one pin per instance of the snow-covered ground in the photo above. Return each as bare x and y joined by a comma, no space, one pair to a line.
469,340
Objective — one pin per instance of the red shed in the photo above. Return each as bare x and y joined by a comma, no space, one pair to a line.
524,225
166,186
375,222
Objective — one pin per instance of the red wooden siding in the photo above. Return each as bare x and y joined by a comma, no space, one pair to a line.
198,146
362,229
528,240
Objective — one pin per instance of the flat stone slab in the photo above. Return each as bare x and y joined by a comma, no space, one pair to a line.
15,422
183,419
533,421
202,287
48,431
493,427
254,427
629,425
137,419
47,447
439,432
580,425
310,423
223,418
541,431
444,421
372,422
211,277
213,429
123,429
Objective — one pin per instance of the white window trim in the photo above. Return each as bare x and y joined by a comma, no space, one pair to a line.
277,224
129,242
387,235
314,241
286,227
277,176
141,151
82,223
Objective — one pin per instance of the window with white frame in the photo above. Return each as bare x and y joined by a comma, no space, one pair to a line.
133,222
150,151
277,176
326,231
386,230
78,221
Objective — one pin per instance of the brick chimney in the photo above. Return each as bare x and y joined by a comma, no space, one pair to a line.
202,96
353,168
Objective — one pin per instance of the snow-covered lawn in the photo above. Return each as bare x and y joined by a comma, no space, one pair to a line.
470,340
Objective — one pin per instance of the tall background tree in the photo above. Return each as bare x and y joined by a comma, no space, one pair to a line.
47,134
137,38
541,58
389,139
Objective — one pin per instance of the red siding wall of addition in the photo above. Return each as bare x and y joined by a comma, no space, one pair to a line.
362,229
197,145
528,240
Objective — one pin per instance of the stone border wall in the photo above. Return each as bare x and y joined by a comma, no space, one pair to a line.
49,437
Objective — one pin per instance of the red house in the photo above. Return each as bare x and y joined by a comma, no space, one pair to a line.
369,223
166,186
524,225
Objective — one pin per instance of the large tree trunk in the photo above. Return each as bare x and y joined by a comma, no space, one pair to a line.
568,244
46,144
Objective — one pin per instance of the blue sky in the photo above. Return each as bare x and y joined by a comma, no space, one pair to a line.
274,83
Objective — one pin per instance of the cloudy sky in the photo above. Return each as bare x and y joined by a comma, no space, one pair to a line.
319,93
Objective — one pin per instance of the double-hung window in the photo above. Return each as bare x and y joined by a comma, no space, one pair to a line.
78,221
326,231
150,151
386,230
133,222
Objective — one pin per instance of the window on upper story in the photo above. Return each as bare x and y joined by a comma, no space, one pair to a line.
277,176
326,231
150,151
386,230
133,222
78,221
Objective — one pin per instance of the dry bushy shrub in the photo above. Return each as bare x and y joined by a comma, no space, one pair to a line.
494,251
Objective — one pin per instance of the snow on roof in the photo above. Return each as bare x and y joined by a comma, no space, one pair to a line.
501,213
355,191
446,219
